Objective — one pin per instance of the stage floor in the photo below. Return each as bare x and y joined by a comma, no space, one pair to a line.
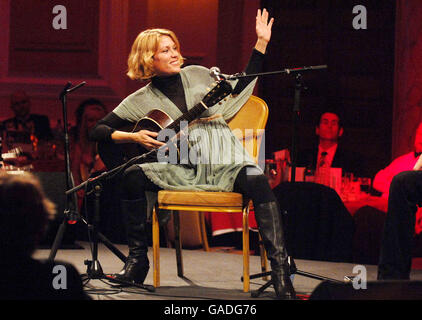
208,275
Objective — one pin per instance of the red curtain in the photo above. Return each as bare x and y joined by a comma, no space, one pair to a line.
407,110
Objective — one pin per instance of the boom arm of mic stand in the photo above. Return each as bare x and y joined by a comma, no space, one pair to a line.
110,172
287,71
76,87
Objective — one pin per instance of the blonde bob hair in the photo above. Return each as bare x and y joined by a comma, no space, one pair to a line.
140,61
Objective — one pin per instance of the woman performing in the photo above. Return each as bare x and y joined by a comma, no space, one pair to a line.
156,57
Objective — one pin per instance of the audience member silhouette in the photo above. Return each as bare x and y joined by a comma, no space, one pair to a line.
24,212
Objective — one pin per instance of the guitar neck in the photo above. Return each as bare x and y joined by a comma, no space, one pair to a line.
189,116
219,92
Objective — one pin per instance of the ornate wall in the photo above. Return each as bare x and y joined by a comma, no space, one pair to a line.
360,80
94,47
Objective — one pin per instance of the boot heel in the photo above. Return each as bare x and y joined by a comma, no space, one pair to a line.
134,271
283,286
141,275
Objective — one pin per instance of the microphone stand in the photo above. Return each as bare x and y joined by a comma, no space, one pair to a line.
71,214
299,86
287,71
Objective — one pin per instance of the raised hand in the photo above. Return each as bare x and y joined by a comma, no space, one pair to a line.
263,29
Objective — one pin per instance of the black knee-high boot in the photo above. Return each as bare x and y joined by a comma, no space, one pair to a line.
270,226
137,263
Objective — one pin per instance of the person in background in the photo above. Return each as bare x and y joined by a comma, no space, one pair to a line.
25,125
26,135
330,153
24,212
84,156
405,162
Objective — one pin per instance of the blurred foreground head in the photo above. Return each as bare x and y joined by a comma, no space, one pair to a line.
24,212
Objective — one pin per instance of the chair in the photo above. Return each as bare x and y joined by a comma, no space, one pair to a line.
252,115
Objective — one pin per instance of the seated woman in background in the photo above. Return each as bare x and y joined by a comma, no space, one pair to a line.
84,156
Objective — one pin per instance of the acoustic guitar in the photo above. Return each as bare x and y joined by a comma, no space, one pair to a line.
115,154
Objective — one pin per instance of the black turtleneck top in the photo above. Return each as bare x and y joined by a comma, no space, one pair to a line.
172,87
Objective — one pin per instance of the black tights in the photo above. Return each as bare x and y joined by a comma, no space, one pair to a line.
135,183
250,182
396,246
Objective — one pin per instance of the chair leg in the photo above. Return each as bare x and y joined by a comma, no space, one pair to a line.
156,247
166,237
264,261
178,243
246,281
203,232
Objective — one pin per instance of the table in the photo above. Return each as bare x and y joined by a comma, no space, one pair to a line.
369,216
379,203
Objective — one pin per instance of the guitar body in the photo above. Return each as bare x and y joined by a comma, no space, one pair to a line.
115,154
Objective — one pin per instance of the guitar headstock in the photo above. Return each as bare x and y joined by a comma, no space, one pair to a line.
221,90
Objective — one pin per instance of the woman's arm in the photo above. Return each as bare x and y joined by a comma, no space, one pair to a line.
106,130
105,127
255,64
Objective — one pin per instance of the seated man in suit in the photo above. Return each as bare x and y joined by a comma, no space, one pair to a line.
330,153
405,162
24,127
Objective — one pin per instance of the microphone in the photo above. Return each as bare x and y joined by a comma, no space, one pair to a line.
216,74
76,87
